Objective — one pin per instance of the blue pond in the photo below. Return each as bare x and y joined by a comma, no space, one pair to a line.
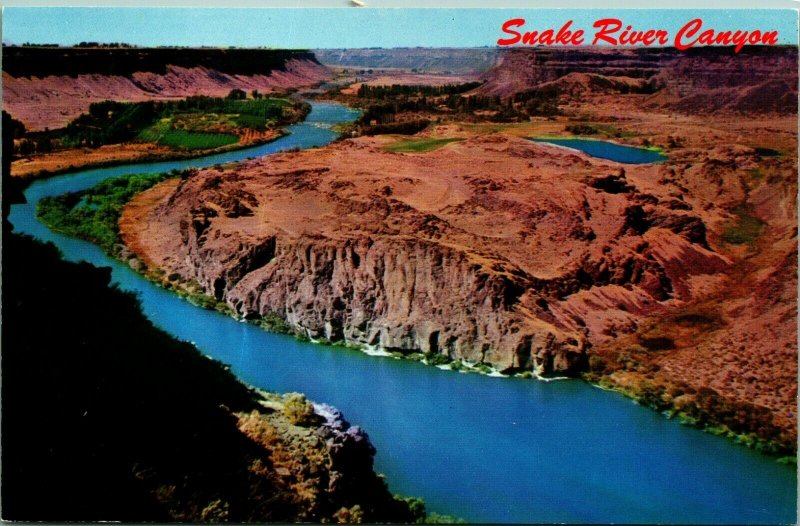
482,448
609,150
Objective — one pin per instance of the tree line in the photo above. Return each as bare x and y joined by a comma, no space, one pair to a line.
383,92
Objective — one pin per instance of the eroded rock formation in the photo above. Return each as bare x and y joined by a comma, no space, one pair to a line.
759,80
476,251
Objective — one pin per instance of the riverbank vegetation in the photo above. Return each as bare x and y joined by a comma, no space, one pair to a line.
94,214
744,229
752,426
197,122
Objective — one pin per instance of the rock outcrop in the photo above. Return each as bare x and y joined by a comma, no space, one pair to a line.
470,251
760,80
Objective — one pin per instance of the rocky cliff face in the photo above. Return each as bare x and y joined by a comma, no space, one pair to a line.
520,70
403,295
48,87
317,456
702,80
443,253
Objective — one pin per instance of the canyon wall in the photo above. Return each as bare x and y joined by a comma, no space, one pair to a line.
48,87
701,80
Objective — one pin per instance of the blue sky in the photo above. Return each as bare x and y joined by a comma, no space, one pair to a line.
331,28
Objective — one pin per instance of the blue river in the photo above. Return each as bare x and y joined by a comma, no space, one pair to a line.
609,150
481,448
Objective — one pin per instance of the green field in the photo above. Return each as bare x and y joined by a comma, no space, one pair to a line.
419,145
193,123
163,133
203,123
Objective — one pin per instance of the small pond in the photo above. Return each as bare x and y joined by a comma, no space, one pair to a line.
609,150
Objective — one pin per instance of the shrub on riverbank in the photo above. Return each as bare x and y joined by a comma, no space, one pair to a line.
94,214
299,410
747,424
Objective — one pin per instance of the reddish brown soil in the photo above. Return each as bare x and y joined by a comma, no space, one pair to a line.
79,158
74,159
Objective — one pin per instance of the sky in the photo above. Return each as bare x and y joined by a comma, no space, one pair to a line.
335,28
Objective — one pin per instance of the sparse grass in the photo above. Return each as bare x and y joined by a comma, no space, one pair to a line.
613,131
514,128
755,178
745,228
700,318
657,149
582,129
595,129
419,145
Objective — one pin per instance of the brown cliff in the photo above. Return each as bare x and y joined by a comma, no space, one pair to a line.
703,80
475,251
